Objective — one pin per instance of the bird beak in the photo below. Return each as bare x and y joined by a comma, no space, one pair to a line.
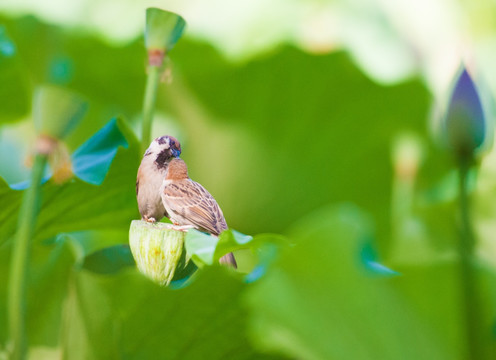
176,152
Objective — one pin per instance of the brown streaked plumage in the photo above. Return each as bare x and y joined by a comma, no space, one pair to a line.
189,203
151,174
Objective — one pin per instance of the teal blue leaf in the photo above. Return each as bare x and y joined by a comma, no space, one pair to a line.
370,259
7,46
61,70
267,253
92,160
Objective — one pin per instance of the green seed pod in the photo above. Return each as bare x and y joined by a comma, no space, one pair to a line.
158,251
163,29
57,111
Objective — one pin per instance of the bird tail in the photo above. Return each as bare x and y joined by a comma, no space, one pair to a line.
229,260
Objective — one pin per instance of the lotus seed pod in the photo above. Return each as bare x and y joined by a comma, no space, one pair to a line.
163,29
57,111
158,250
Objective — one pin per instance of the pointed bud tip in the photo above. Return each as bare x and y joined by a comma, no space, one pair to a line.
465,123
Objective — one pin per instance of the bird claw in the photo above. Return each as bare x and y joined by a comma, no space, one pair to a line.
149,219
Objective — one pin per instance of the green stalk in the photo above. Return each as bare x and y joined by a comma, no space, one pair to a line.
19,263
468,277
152,82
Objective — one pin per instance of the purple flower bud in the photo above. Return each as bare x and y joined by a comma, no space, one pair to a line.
465,123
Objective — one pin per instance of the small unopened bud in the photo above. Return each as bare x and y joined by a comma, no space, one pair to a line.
407,155
158,250
465,124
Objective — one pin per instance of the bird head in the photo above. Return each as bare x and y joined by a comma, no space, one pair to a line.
163,149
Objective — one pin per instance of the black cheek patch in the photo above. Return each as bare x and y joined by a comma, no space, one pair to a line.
163,158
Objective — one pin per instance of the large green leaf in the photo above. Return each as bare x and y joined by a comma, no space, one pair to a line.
320,302
127,316
296,131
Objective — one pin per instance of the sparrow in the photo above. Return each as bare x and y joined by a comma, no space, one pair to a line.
189,203
151,174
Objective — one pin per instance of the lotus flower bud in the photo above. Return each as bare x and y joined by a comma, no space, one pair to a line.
465,124
158,250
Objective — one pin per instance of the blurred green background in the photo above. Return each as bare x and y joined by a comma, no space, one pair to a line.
318,120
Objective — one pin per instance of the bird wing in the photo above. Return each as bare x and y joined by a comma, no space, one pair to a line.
194,203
